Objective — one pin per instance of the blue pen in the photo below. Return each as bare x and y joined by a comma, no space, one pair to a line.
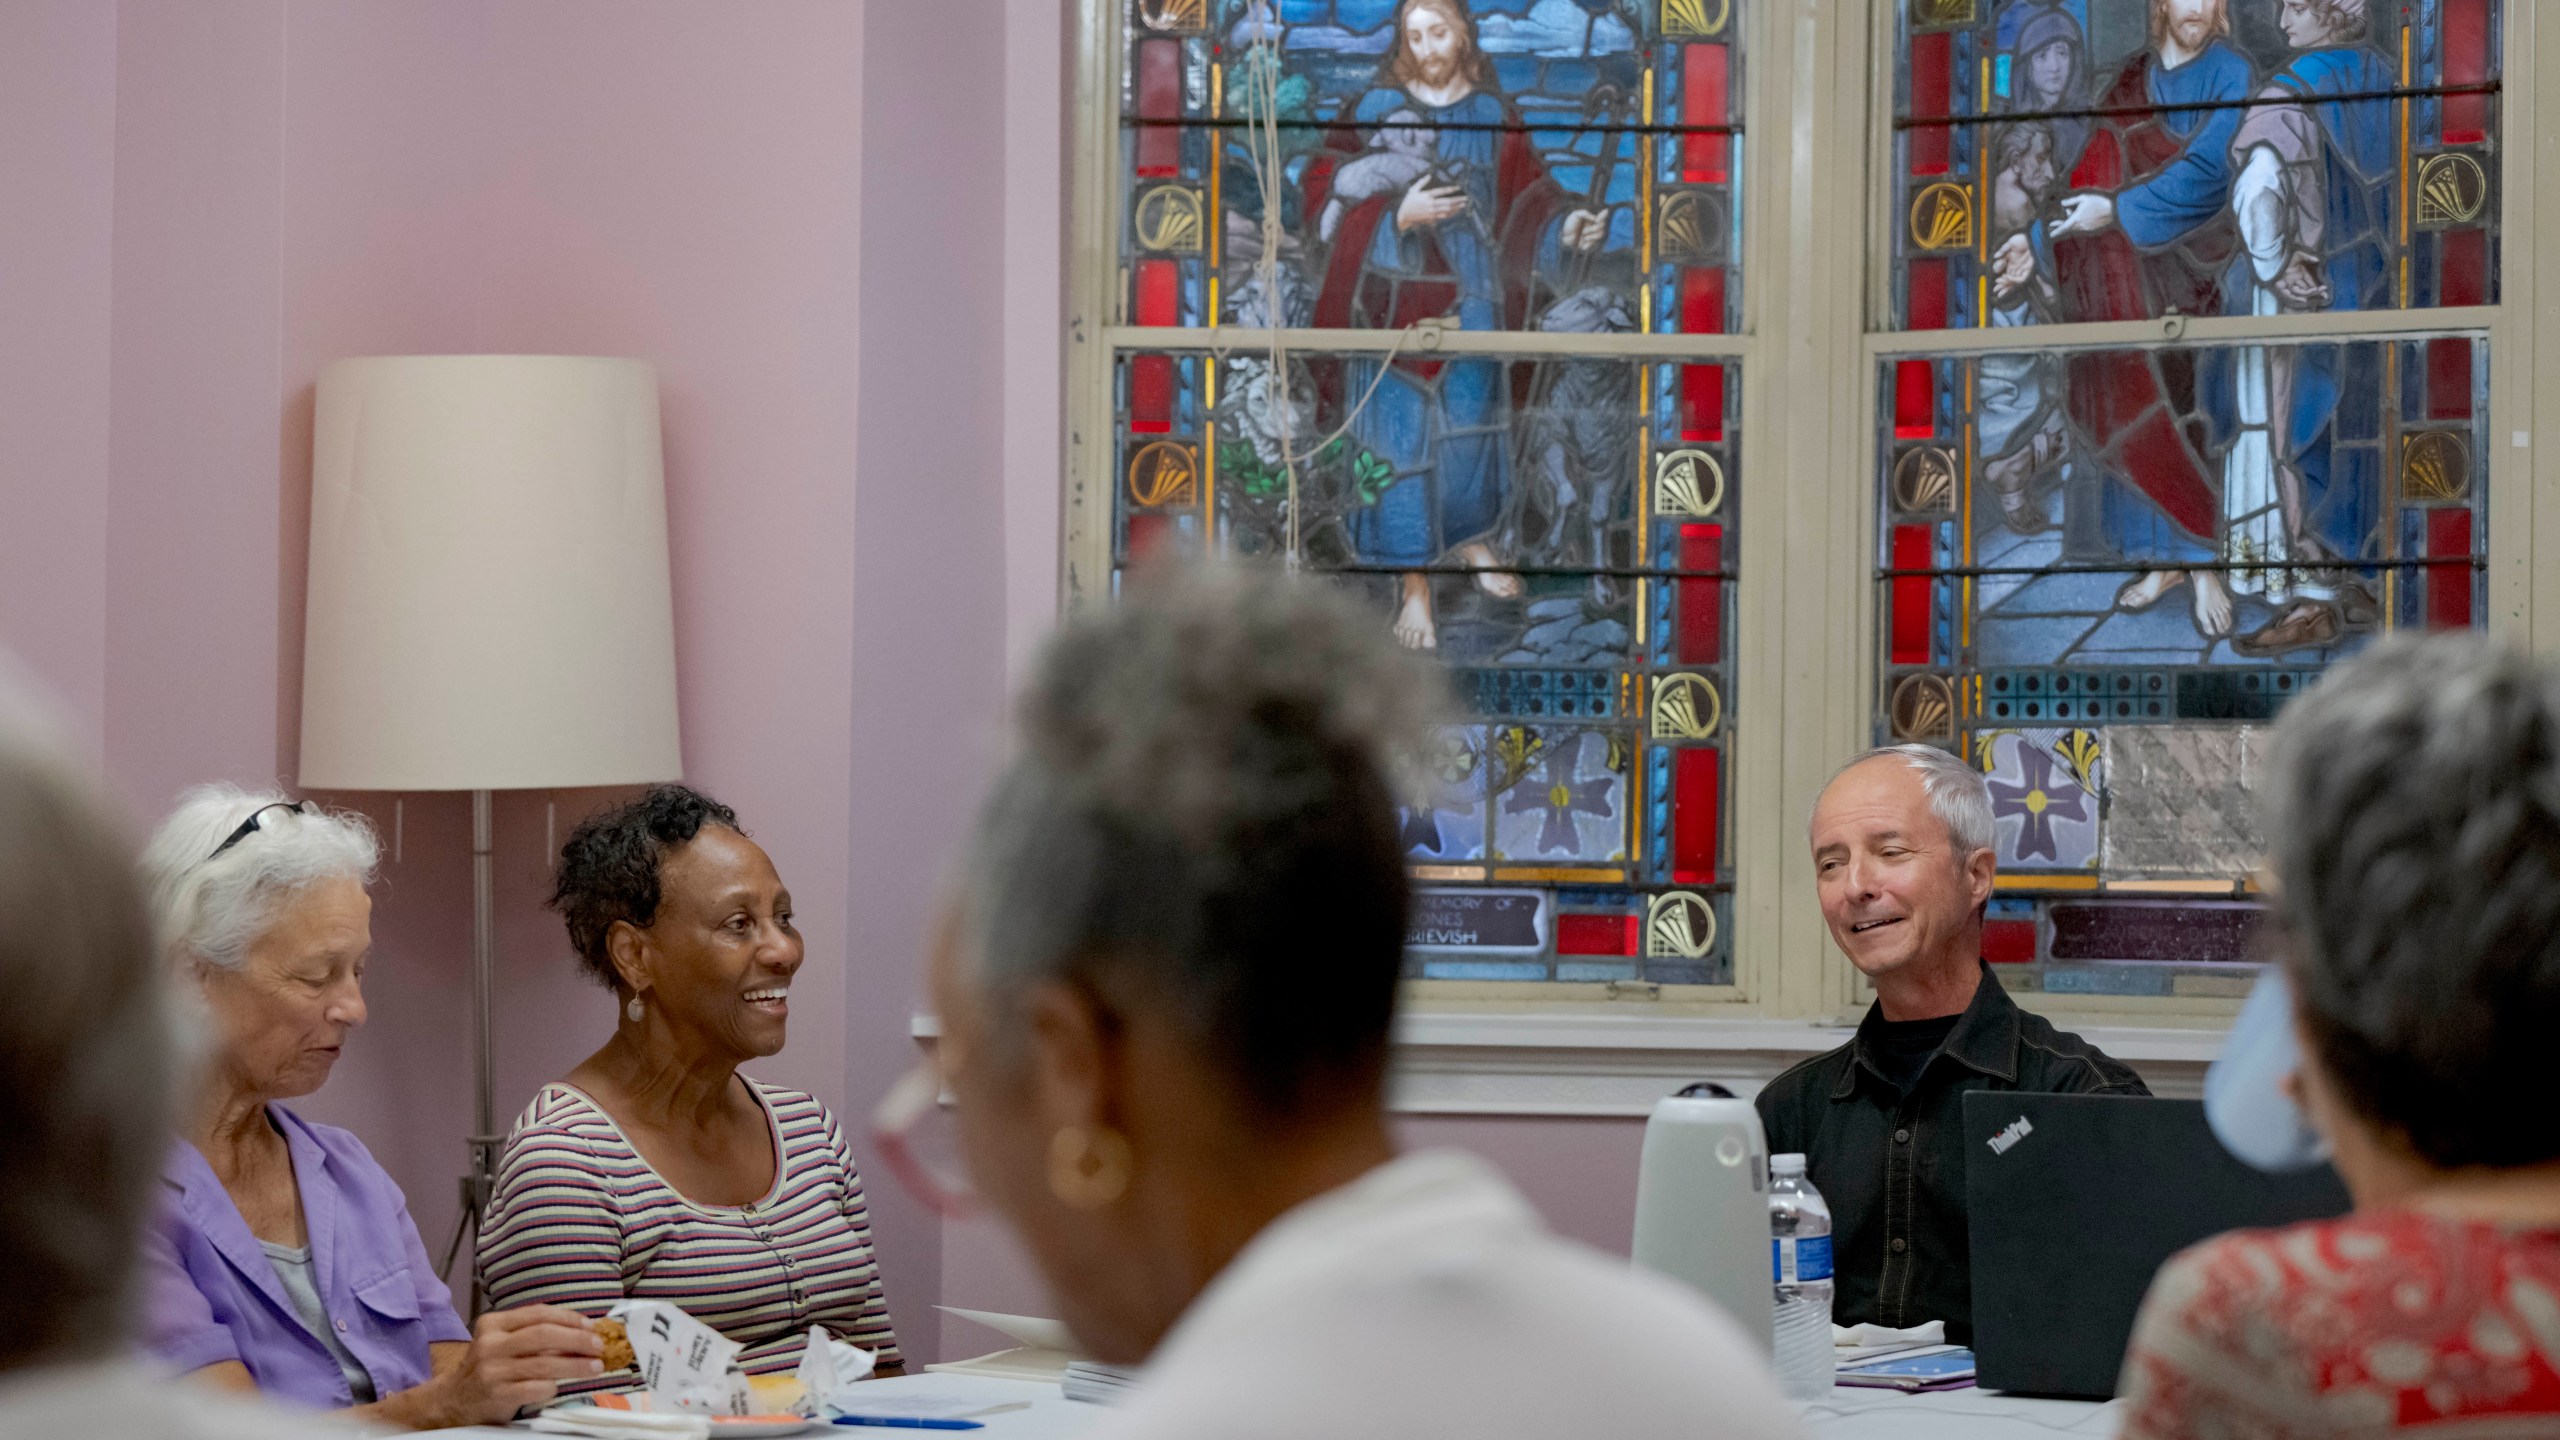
909,1422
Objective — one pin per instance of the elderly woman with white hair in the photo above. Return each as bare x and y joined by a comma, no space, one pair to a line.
284,1259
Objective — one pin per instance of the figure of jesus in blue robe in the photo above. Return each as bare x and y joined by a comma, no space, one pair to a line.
2162,241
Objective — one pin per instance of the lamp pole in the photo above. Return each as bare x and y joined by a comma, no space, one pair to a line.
480,1182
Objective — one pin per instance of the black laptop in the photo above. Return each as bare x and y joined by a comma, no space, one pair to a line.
2072,1203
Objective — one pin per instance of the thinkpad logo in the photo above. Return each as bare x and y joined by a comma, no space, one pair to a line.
2017,1130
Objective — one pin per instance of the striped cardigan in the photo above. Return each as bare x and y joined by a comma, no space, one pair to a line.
581,1220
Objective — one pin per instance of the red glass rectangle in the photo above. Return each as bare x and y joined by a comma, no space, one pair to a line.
1694,820
1914,596
2466,62
2463,276
1148,534
1933,65
1159,98
2449,586
1598,934
1703,102
1151,394
2009,942
1701,601
1159,297
2448,379
1702,402
1925,298
1915,400
1701,299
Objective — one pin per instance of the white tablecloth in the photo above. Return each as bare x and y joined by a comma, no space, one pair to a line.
1848,1415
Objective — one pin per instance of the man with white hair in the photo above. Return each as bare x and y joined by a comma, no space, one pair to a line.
1903,862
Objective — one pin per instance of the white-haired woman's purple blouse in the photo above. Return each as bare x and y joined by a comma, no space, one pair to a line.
353,1325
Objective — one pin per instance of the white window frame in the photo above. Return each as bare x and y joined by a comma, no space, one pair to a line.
1818,193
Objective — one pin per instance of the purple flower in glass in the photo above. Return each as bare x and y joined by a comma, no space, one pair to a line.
1562,797
2040,798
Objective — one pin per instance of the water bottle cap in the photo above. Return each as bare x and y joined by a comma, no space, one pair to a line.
1787,1164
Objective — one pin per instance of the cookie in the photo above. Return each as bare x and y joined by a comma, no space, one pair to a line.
617,1345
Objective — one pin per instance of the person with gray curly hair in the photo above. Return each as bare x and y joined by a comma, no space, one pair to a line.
1903,863
1166,1023
2413,817
284,1260
87,1060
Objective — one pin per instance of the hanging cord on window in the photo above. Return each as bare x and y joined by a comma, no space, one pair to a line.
1269,175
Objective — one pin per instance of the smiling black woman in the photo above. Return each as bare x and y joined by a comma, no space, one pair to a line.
654,1170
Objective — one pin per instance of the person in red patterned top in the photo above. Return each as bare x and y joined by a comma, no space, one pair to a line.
2414,819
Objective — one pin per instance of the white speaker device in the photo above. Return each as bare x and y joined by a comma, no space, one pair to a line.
1702,1202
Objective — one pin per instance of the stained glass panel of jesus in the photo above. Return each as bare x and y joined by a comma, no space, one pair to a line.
2098,160
1505,164
1579,812
2105,617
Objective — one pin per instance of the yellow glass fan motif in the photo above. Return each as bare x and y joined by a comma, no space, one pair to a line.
1687,484
1686,707
2080,752
2435,466
1679,925
1924,479
2452,190
1515,749
1181,17
1931,14
1923,709
1162,474
1693,18
1942,217
1168,219
1684,227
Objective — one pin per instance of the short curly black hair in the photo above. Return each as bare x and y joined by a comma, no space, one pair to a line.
609,865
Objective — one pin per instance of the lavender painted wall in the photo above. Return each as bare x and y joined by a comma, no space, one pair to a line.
57,170
837,230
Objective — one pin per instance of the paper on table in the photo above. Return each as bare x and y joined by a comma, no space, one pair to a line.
1932,1332
1030,1330
926,1405
829,1369
620,1424
682,1361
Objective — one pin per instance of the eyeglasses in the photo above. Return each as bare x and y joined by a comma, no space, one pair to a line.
249,825
912,1129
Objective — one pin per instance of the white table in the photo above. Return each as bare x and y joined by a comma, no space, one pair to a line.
1849,1414
1856,1414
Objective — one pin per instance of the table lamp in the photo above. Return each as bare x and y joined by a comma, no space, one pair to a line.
488,607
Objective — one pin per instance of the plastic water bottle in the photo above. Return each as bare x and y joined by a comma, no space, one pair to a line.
1800,1265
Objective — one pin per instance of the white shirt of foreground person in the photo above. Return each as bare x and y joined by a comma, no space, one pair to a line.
126,1400
1426,1298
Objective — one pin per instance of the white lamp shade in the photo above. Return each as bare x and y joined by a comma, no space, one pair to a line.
488,603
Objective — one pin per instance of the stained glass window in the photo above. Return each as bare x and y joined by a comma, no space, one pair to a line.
1559,530
1556,524
2109,160
2103,572
1480,160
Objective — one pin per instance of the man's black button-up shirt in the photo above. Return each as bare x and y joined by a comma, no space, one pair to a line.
1891,1163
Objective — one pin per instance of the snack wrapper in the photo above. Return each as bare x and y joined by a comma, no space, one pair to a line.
684,1363
828,1371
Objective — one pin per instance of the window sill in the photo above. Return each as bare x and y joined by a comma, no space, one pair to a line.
1551,1063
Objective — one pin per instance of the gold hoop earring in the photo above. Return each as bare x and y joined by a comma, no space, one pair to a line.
1088,1169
